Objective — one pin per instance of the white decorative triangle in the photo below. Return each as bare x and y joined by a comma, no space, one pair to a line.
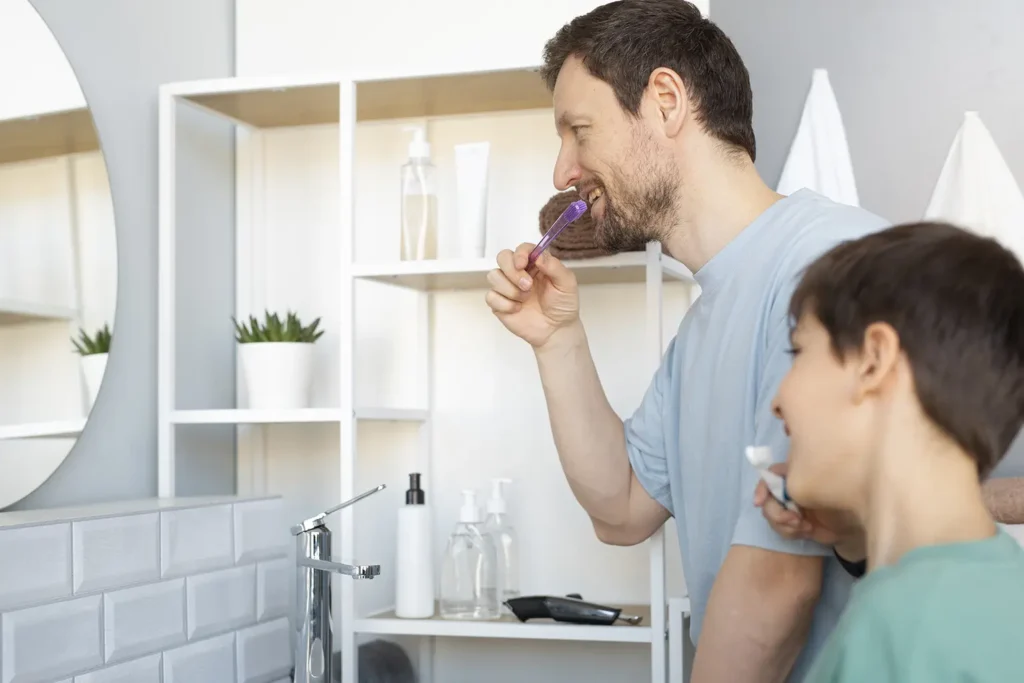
819,158
976,189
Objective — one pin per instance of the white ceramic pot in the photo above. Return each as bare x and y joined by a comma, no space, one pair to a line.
278,375
93,367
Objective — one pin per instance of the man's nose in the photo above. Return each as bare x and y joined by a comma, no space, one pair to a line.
567,171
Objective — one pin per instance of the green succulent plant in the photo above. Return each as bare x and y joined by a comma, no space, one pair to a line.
274,330
88,346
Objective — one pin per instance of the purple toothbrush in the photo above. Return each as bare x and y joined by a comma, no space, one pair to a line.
571,213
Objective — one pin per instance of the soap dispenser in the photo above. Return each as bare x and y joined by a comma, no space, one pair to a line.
419,200
469,584
414,575
503,534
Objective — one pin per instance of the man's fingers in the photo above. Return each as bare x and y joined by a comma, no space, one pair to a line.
513,264
501,284
500,304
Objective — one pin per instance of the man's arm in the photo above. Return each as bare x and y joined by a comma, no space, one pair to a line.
757,616
591,441
763,599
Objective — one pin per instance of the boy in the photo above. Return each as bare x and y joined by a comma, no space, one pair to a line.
906,389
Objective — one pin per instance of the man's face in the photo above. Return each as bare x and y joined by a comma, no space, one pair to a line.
614,161
829,438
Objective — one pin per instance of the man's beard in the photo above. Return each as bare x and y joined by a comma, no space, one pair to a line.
639,213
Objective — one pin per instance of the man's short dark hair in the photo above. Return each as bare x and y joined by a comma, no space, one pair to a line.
622,42
956,300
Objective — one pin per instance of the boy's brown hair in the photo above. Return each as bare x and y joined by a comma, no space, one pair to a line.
956,300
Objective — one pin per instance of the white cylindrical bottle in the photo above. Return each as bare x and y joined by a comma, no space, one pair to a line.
414,573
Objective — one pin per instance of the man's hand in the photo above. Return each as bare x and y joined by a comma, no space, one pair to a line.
828,527
758,616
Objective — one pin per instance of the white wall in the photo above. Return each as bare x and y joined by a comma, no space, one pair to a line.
489,417
318,35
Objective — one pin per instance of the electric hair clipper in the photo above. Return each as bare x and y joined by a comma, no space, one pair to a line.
570,609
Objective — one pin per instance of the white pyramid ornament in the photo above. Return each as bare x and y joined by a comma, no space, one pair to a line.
976,189
819,158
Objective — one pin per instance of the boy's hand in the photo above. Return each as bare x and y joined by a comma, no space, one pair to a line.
827,527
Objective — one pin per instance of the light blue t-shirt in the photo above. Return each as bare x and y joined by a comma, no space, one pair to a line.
711,397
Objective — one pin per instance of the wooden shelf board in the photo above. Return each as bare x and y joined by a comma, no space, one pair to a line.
508,627
58,429
472,274
308,415
302,101
276,106
47,135
451,95
14,312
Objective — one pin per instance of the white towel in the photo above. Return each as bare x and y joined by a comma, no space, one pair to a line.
820,158
976,189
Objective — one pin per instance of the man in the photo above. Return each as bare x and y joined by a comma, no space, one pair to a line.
653,107
906,389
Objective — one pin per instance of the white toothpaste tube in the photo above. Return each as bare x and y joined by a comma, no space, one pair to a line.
761,458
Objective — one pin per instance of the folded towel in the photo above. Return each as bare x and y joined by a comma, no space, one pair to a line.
819,158
1005,499
578,241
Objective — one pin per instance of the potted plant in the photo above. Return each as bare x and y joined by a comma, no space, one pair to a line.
94,352
277,360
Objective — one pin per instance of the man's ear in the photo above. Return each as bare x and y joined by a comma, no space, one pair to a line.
670,99
877,360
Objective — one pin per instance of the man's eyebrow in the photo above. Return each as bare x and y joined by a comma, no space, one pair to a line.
568,120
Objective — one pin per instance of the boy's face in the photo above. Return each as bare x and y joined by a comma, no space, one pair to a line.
829,435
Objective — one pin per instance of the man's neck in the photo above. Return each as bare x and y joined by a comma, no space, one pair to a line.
718,200
922,493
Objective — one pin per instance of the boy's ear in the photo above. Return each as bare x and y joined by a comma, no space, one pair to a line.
876,363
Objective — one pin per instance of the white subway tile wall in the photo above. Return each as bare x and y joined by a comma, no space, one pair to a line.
190,592
116,551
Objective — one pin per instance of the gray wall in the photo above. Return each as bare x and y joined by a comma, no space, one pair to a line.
903,73
121,51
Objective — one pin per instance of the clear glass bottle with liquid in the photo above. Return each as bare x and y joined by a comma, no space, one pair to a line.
499,527
469,582
419,201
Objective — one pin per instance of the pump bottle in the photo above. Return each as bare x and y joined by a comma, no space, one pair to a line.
500,529
414,575
469,584
419,201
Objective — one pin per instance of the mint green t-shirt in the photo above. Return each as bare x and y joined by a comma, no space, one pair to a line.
951,612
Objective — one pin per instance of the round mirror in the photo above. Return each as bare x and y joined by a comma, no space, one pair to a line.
58,260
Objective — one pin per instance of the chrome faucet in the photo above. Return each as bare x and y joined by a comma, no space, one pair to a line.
314,633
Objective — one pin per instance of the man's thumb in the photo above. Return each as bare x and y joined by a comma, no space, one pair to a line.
779,468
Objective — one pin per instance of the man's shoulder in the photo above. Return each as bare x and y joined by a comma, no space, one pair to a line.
818,224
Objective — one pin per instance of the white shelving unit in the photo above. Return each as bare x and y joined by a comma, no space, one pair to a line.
348,101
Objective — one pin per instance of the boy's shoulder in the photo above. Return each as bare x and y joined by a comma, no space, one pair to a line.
906,613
